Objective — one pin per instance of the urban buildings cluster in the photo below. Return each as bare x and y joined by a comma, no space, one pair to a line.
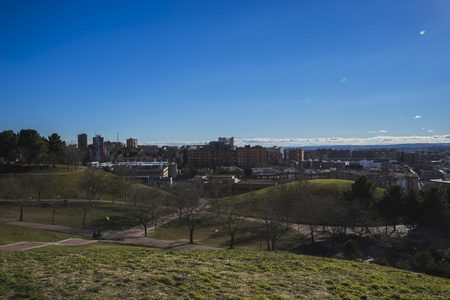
262,166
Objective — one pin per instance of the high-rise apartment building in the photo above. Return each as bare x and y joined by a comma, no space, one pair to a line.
251,157
99,148
132,143
294,155
200,158
220,153
275,155
82,141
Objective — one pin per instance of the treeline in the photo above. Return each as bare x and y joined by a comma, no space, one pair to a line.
29,147
360,221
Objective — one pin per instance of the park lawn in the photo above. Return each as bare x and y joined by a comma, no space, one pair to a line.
94,273
319,188
211,234
10,234
69,216
64,185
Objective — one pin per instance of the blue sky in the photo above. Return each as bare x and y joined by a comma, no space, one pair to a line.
276,72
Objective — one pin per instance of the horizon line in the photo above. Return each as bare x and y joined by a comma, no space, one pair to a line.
313,142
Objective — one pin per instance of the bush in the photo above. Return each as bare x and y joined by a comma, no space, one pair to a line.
423,261
351,249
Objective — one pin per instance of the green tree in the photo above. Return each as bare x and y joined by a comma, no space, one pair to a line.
412,207
360,201
363,191
56,148
434,207
32,146
9,143
392,205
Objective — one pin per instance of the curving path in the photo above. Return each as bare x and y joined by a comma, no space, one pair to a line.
130,236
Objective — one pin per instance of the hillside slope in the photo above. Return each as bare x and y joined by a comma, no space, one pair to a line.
99,271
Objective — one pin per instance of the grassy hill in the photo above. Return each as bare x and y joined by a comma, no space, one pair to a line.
105,271
65,185
320,188
317,188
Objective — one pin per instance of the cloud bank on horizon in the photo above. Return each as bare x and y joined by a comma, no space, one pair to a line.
327,141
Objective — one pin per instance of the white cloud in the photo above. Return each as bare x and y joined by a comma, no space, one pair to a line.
418,117
327,141
379,131
430,130
335,141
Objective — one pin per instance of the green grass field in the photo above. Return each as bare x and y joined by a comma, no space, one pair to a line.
10,234
211,234
317,188
69,216
102,271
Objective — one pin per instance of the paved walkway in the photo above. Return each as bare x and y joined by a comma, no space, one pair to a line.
32,245
131,236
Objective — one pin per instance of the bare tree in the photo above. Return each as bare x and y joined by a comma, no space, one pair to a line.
73,156
283,200
311,212
214,187
114,186
335,213
146,208
273,226
232,220
84,206
194,211
181,197
19,191
93,183
128,176
167,196
40,182
53,206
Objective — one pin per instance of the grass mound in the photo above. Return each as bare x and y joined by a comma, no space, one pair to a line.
91,273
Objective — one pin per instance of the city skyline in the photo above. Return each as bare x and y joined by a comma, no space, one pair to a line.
297,142
290,73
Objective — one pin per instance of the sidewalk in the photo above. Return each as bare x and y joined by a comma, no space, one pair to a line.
32,245
130,236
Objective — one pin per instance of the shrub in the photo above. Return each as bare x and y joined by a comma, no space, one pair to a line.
351,249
